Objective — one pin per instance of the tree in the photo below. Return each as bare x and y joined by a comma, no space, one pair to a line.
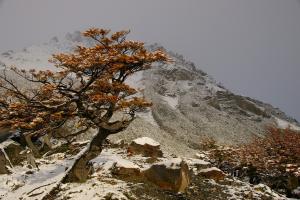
88,87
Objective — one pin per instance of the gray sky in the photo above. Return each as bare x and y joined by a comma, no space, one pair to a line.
251,46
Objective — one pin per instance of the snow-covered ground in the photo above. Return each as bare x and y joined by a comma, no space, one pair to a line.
25,183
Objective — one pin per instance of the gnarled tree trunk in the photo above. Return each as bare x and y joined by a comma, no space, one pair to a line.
81,167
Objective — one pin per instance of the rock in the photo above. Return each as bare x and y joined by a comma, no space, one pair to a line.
125,169
13,151
169,175
4,162
118,144
146,147
213,173
198,163
201,156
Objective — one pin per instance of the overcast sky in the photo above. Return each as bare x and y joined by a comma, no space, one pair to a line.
251,46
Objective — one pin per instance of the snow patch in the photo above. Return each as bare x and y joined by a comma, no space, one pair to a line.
285,124
108,159
193,161
146,140
210,169
173,163
21,185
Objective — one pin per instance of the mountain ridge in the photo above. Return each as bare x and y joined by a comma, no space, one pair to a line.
188,104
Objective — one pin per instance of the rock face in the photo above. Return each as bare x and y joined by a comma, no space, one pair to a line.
170,175
213,173
146,147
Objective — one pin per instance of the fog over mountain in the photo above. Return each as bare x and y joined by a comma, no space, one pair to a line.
252,47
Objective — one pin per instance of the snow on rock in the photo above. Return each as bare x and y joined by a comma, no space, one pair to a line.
210,169
125,169
285,124
173,163
146,140
145,146
108,159
201,156
196,162
213,173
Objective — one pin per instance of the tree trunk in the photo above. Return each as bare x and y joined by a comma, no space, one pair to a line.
30,144
81,167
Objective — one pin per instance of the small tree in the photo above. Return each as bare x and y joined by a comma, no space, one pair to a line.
89,86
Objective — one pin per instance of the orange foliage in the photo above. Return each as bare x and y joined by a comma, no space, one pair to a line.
89,85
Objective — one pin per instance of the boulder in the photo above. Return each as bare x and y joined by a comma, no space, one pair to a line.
213,173
146,147
118,144
125,169
13,151
4,163
169,175
197,163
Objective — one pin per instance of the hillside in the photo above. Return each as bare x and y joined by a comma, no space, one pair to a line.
188,104
161,155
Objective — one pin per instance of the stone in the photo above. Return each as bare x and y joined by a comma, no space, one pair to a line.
171,175
213,173
4,163
13,151
198,163
125,169
118,144
145,146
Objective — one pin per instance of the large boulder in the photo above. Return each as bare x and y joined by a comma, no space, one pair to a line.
4,163
213,173
169,175
13,151
146,147
125,169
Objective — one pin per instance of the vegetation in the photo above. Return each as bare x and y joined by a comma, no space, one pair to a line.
88,88
273,159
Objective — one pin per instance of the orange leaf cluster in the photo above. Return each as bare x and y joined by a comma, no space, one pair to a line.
89,85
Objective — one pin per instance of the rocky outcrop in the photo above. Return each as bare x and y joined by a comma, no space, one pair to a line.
169,175
146,147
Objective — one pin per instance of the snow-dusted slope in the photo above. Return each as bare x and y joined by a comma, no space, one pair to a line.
188,104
